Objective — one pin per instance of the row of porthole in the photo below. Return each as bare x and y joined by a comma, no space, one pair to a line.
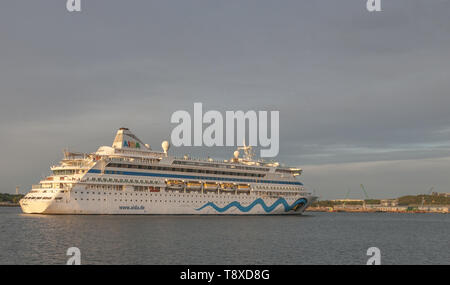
131,200
38,198
122,180
156,201
276,193
277,188
170,195
246,198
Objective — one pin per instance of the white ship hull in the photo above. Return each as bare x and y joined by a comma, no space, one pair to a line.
166,204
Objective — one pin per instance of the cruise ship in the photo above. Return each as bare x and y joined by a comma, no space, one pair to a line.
131,178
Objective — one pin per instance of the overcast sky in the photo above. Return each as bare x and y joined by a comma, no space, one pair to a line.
363,97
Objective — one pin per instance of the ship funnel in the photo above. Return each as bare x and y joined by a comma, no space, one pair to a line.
127,140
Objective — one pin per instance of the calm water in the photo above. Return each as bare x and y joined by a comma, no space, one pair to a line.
314,238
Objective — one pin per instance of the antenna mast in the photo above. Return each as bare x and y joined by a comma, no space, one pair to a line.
248,151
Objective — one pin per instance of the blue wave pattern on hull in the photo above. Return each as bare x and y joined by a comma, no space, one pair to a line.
259,201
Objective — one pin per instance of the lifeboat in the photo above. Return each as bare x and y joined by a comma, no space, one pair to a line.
227,187
193,185
243,187
210,186
177,184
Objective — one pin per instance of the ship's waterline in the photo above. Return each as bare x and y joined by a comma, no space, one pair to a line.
131,178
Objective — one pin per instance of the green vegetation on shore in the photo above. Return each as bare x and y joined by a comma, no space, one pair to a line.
428,200
10,198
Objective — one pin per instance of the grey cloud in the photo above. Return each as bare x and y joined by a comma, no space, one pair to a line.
351,86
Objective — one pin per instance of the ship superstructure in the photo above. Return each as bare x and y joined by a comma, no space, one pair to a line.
131,178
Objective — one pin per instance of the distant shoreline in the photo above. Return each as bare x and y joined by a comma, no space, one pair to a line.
3,204
422,203
372,210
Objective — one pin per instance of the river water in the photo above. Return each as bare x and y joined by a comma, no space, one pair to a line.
313,238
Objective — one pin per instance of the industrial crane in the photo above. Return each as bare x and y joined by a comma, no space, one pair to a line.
346,196
423,197
365,193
